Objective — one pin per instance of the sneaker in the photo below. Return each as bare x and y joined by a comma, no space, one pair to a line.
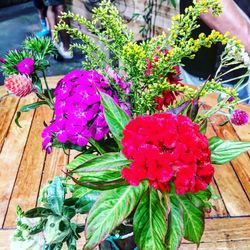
66,54
42,33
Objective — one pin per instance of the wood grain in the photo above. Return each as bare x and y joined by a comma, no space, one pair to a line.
30,171
234,197
11,155
54,164
7,110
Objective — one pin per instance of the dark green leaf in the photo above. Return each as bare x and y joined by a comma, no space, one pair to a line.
109,211
150,226
27,108
193,219
203,127
38,212
56,196
175,226
71,243
38,228
32,106
85,203
116,118
18,114
225,151
173,2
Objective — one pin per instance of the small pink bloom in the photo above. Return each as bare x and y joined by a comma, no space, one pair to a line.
239,117
19,85
26,66
230,99
2,60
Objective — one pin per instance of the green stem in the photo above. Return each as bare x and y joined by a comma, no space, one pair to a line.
51,105
47,87
97,146
236,78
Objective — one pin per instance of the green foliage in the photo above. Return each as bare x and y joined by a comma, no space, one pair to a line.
56,195
109,211
54,219
175,229
224,151
116,118
27,108
150,226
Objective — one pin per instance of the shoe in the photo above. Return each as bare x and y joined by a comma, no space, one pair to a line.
66,54
42,33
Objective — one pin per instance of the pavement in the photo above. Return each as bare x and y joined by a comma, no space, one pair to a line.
20,21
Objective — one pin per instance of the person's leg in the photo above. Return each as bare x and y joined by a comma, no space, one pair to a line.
64,36
51,19
42,14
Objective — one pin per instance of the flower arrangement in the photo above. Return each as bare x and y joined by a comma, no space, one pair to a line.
145,164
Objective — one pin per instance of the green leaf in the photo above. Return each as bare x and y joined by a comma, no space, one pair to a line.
201,199
38,212
203,127
150,226
106,162
116,118
85,203
79,160
193,219
173,2
175,226
56,196
27,108
109,211
80,191
224,151
102,172
71,243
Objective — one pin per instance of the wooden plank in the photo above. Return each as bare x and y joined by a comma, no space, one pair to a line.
226,229
225,245
29,175
225,233
219,209
7,110
11,155
234,197
5,238
73,154
240,164
54,164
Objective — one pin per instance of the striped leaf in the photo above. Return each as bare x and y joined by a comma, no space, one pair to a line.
109,211
150,225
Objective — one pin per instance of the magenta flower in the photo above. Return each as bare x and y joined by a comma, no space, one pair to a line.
78,110
239,117
2,60
26,66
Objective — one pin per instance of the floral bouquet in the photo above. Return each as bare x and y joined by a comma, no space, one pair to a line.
145,165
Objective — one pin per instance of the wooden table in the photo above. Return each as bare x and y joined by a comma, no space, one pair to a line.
25,168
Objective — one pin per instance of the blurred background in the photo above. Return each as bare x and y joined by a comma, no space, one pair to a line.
19,19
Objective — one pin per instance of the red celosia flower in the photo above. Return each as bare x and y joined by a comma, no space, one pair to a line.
19,85
168,96
165,148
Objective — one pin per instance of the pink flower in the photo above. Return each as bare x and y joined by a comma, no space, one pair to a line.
26,66
2,60
239,117
19,85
